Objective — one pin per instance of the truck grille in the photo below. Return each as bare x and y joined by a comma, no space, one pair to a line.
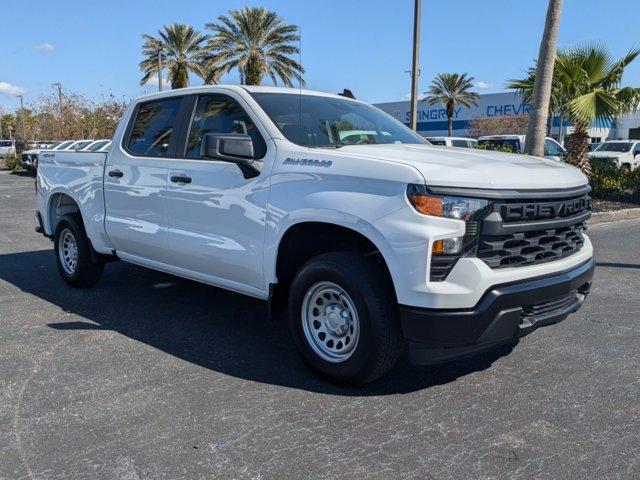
536,246
530,232
520,231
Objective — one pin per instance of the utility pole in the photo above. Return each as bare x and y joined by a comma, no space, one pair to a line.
21,115
415,67
58,86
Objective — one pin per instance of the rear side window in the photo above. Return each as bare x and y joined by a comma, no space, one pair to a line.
221,114
153,127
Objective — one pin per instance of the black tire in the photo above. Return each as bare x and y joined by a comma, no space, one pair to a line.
86,272
371,292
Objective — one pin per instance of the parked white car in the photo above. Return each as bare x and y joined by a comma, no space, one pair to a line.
29,158
552,149
370,247
96,145
462,142
79,145
7,148
626,153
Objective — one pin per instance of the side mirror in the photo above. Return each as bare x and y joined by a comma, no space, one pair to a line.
231,147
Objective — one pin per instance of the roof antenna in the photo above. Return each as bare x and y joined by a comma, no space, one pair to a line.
347,93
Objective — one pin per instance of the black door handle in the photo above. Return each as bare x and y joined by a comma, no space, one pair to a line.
115,174
180,179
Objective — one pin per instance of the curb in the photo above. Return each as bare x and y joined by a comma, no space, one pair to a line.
614,216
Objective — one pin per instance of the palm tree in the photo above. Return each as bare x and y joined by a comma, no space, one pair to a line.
557,100
537,128
451,89
587,89
258,43
182,51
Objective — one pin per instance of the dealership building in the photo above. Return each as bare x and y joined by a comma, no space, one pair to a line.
432,119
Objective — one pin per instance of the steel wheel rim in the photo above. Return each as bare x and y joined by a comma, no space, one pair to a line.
68,251
330,322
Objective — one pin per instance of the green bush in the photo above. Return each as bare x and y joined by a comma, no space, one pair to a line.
496,147
12,163
610,181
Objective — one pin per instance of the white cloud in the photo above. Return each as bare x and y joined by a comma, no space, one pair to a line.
8,89
44,47
154,81
482,84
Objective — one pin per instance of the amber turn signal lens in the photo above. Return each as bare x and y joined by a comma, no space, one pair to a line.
427,204
438,247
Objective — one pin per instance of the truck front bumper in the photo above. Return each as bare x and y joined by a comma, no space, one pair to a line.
503,314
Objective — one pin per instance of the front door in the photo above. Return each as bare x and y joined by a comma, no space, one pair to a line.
216,211
136,177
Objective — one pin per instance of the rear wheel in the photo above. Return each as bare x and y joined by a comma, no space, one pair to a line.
344,318
73,254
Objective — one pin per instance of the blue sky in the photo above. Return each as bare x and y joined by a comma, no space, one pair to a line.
94,47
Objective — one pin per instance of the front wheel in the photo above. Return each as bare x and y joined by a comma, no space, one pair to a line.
344,318
73,254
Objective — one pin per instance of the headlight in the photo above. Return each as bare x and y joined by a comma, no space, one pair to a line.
466,209
458,208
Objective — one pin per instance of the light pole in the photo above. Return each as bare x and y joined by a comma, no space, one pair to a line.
415,66
58,86
21,115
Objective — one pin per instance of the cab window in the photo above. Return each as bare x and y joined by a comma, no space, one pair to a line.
221,114
153,127
552,149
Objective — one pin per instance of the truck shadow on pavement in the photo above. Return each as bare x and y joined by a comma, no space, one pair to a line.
210,327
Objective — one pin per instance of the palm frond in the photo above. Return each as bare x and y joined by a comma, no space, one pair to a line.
256,42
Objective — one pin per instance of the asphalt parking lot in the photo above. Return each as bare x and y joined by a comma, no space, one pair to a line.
152,376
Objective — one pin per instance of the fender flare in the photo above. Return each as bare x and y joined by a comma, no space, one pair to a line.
330,217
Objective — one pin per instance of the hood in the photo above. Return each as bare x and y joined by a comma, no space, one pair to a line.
471,168
607,154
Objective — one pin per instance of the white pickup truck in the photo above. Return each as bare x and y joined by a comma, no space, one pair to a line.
372,243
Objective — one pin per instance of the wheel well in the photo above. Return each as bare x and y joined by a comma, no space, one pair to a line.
304,241
60,204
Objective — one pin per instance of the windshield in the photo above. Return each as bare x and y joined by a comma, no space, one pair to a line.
498,144
97,145
81,145
614,147
316,121
64,144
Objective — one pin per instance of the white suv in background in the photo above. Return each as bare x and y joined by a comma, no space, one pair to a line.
7,148
626,153
462,142
552,149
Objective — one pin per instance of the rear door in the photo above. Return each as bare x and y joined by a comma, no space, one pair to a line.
136,177
216,211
